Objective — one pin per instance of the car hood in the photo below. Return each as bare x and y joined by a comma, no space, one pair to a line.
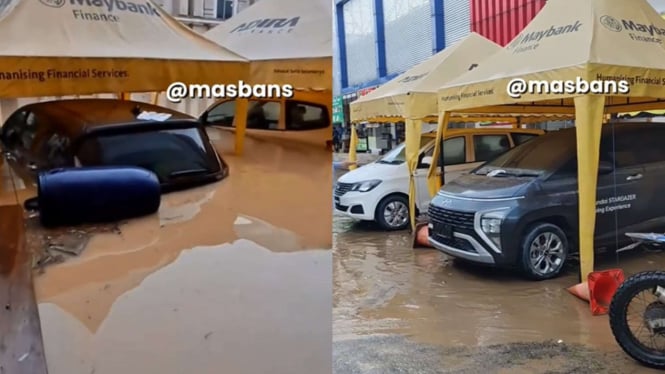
484,187
375,170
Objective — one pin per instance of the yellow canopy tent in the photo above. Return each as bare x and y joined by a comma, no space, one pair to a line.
598,40
287,42
411,97
413,93
77,47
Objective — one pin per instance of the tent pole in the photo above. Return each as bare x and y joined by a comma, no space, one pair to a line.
353,147
588,124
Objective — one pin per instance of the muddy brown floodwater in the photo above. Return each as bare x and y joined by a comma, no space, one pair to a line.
232,277
399,310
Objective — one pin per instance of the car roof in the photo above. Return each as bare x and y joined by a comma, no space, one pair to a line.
76,117
486,130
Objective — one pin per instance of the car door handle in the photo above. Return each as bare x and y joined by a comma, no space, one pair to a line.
32,166
634,177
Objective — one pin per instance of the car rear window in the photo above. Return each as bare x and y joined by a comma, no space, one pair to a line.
521,138
168,153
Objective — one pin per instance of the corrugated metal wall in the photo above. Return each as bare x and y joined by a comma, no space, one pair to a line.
360,26
500,21
457,18
408,33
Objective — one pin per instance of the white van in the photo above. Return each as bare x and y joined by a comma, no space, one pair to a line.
379,191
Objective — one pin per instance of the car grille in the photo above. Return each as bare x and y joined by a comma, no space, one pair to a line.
457,243
458,220
342,188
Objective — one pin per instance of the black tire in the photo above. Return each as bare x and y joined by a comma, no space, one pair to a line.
384,204
619,324
540,231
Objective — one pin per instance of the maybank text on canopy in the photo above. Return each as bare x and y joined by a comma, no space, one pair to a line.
102,10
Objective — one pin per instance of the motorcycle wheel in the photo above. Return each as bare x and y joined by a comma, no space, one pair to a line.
618,314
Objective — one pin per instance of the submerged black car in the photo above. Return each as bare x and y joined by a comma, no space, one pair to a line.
108,132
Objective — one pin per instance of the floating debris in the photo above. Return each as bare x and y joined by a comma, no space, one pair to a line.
54,246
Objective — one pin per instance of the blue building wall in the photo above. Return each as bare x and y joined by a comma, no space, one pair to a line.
379,39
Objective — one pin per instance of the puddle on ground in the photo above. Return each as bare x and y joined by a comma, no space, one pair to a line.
383,286
265,234
213,309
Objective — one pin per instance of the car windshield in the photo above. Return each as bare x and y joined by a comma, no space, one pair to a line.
170,154
397,155
533,158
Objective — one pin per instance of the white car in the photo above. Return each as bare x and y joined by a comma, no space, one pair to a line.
379,191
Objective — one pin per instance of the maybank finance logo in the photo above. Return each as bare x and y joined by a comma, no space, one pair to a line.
53,3
412,78
103,10
531,40
268,26
637,31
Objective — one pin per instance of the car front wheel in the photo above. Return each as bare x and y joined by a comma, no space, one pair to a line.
392,213
544,251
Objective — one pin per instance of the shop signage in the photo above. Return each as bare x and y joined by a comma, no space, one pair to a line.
338,109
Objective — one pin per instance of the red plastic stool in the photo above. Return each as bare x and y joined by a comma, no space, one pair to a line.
602,287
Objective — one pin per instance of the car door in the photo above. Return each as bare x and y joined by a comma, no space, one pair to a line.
640,168
455,161
420,174
623,196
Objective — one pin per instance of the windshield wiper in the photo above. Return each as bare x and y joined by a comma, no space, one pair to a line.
189,172
503,173
392,162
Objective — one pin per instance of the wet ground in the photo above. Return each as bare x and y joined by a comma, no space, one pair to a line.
400,310
231,277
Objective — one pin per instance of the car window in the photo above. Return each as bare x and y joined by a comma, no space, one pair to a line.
55,151
170,153
263,115
306,116
223,114
454,151
397,155
627,154
12,130
520,138
487,147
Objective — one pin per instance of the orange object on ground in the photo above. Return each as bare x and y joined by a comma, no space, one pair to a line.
599,289
602,287
421,238
580,290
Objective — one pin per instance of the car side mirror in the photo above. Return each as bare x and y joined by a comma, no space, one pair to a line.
605,167
426,161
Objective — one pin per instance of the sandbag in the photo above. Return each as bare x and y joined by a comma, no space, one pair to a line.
74,196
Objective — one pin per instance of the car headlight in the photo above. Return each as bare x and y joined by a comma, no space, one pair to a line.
490,225
365,185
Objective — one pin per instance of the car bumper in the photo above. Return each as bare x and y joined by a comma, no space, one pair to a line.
452,247
354,206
